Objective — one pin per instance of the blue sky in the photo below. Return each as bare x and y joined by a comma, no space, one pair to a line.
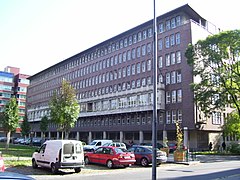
36,34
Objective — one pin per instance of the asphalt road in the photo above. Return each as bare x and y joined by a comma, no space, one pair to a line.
207,167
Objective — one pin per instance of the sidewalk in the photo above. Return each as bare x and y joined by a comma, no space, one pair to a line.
189,161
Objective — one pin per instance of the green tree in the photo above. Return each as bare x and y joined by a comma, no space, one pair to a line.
232,125
11,118
44,125
64,108
216,66
25,126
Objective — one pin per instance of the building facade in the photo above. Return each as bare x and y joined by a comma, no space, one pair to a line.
114,84
13,83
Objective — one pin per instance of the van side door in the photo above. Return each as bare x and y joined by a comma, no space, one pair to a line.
40,159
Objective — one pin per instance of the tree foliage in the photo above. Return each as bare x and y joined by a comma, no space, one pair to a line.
11,118
25,126
44,124
64,108
216,64
232,125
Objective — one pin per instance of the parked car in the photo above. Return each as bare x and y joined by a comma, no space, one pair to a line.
110,156
18,140
143,155
37,141
116,144
2,166
59,154
95,144
159,145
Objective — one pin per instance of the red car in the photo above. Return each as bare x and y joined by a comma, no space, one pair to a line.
2,166
110,156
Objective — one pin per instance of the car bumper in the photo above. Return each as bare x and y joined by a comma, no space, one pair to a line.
69,165
161,159
124,162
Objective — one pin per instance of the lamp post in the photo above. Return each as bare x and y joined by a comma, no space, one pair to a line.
154,121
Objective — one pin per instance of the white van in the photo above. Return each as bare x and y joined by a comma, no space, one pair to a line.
95,144
59,154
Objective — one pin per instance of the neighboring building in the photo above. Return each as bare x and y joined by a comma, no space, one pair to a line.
12,83
114,84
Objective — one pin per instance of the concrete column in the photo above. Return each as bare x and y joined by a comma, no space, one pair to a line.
89,137
57,135
185,137
121,136
164,134
104,135
49,135
77,137
141,138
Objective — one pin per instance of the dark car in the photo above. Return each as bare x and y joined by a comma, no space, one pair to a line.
12,175
37,141
143,155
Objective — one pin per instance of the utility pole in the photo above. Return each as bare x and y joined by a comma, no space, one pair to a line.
154,121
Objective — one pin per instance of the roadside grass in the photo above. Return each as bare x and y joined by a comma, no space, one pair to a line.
17,152
224,153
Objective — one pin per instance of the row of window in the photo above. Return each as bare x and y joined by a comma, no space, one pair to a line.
173,115
140,67
175,96
125,42
6,79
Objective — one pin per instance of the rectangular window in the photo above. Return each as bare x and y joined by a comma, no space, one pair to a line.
178,38
143,81
173,58
216,118
133,53
130,40
149,48
168,97
167,44
143,66
128,70
160,44
179,58
138,52
174,116
150,32
134,38
167,78
128,55
160,62
179,115
168,117
179,77
173,77
138,68
144,34
173,23
161,28
178,20
168,25
149,65
172,40
179,95
167,60
124,56
174,96
133,69
139,36
143,50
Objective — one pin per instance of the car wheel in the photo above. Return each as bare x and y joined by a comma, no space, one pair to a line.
53,168
77,170
34,164
109,164
144,162
86,160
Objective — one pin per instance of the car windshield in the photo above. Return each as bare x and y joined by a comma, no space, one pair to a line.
93,143
119,150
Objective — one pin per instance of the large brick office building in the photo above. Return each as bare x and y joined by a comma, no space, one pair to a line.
114,84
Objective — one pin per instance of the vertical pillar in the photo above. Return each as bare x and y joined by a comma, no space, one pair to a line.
121,136
49,135
77,137
104,135
89,137
57,135
164,134
141,138
185,137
